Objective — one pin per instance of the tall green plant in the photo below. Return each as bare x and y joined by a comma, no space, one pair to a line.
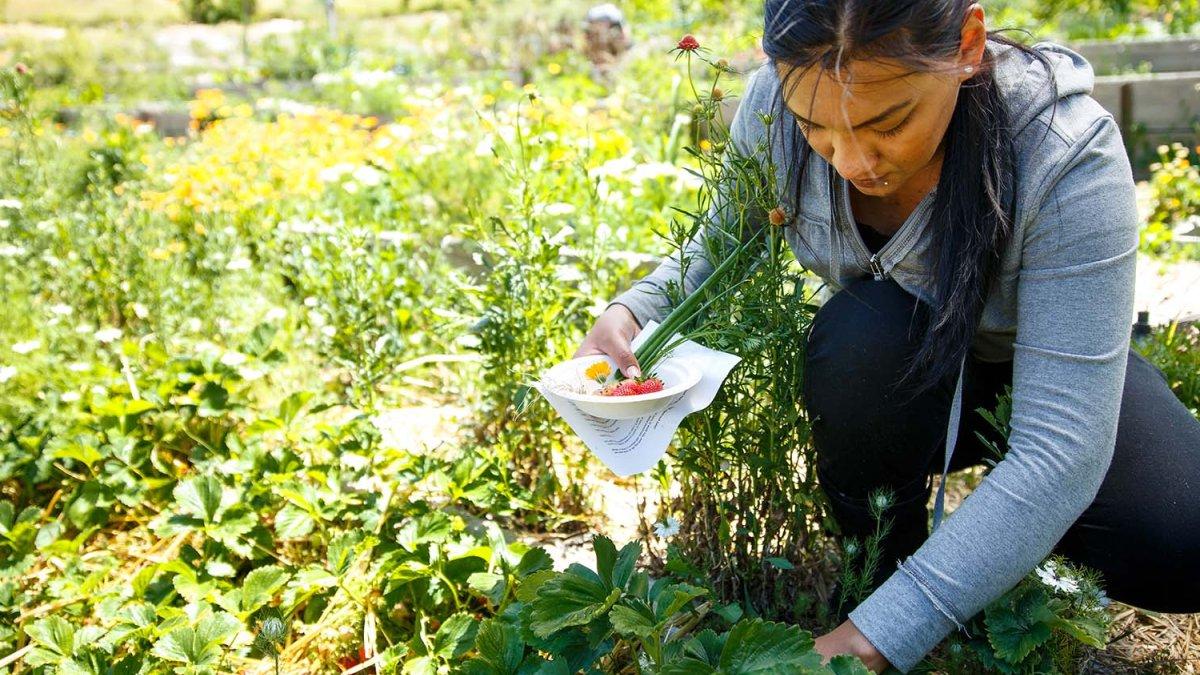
749,500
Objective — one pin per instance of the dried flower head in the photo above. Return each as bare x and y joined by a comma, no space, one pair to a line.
778,216
21,68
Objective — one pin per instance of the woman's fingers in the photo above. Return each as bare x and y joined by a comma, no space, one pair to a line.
627,363
611,335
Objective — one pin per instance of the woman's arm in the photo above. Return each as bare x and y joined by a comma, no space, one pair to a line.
1075,303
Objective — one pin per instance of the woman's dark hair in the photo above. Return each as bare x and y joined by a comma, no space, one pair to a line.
973,207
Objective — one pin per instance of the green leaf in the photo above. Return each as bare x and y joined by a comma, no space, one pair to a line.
606,557
626,560
430,527
1089,630
199,645
500,646
731,612
674,598
757,646
491,586
534,560
455,636
53,634
573,598
528,589
781,563
293,522
259,340
290,408
848,665
1017,626
687,666
636,621
261,585
342,552
201,496
707,646
214,400
422,665
48,534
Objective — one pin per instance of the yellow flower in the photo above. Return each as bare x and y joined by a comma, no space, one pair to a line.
598,370
554,68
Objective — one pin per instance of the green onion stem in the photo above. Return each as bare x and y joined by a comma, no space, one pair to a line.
651,349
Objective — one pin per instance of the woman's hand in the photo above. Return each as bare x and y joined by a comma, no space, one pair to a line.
846,639
611,335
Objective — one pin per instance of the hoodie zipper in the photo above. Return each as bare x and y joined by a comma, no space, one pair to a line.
877,268
900,241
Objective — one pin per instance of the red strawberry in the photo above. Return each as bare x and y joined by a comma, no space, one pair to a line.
622,388
650,385
633,387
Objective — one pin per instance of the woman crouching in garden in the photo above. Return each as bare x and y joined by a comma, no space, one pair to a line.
973,207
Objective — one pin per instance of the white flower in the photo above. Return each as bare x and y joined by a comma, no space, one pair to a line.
276,314
238,264
11,251
233,359
79,367
368,175
106,335
26,347
250,374
140,310
335,173
10,204
84,328
1049,575
70,396
559,209
61,310
7,373
193,325
669,527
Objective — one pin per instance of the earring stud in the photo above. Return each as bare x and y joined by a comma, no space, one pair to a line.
968,69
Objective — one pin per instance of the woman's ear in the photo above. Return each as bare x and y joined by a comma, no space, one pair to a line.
972,42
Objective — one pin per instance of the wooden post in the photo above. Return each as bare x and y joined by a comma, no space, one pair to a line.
1125,118
331,19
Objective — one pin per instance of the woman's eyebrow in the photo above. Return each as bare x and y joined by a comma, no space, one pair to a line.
878,118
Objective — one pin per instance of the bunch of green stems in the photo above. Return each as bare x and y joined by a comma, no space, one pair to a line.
666,336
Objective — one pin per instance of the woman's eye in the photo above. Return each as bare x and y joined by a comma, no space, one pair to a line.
894,130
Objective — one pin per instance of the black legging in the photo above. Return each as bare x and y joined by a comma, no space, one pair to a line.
1142,532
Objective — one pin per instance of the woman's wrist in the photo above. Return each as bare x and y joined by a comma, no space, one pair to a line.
848,639
866,651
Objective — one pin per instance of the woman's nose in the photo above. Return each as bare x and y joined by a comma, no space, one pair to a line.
854,161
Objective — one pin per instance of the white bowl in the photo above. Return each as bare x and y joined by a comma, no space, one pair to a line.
677,376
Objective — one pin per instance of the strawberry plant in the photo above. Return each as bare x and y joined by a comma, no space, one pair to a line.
614,616
1042,625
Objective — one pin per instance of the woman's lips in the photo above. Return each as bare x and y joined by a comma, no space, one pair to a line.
869,183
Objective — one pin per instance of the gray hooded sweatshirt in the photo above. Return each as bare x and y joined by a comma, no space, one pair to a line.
1059,308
